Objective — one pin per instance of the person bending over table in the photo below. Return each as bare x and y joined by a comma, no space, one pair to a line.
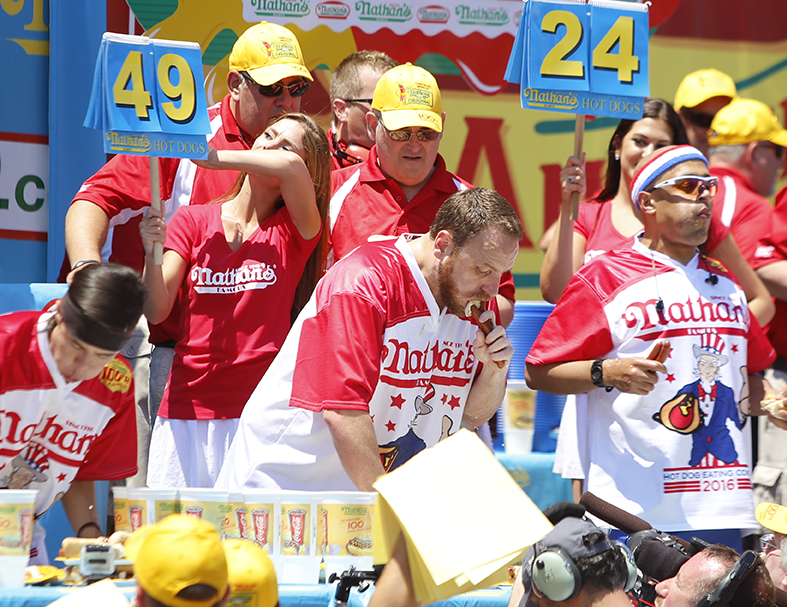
67,412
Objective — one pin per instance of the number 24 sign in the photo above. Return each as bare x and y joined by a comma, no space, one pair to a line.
148,97
582,58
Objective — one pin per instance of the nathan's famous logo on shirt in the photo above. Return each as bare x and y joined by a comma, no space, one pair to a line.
116,376
698,310
60,436
446,356
253,276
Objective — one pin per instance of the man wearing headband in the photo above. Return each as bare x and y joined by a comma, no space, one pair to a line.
67,414
665,438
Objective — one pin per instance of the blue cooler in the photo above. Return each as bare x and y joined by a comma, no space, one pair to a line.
529,318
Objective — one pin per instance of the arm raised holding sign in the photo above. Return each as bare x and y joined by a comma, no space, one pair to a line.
238,270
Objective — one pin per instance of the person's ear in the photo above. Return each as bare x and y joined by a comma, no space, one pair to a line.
340,109
753,155
646,203
371,125
234,84
443,244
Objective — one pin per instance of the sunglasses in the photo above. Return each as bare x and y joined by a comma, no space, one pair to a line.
691,185
369,101
699,118
404,135
296,89
767,543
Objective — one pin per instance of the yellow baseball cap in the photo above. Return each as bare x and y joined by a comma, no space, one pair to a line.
268,53
702,85
252,577
175,553
772,516
408,96
745,120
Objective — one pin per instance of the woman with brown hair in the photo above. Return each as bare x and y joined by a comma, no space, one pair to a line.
239,269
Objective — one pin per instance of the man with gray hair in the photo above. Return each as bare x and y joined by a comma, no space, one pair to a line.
746,154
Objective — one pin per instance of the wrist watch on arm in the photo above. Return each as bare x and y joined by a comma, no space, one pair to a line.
597,375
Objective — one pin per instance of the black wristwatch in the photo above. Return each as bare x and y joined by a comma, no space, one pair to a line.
597,375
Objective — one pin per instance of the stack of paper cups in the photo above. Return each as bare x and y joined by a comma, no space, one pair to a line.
344,531
259,520
211,505
299,560
519,410
17,511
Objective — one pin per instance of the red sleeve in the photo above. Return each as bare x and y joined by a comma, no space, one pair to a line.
588,217
718,232
338,361
773,246
760,353
124,183
507,288
181,231
113,455
577,328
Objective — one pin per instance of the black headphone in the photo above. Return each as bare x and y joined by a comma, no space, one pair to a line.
730,582
555,575
351,154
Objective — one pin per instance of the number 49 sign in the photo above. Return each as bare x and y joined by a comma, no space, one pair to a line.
582,58
148,97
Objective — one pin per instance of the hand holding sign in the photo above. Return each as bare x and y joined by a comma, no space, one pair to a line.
148,101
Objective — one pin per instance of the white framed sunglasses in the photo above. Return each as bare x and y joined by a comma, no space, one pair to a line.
691,185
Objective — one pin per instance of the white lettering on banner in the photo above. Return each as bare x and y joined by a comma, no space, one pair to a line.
24,186
234,280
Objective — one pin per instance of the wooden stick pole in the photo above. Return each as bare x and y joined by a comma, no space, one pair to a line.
155,202
579,143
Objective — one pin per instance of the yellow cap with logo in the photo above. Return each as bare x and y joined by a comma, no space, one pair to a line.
268,53
743,121
408,96
252,577
176,553
702,85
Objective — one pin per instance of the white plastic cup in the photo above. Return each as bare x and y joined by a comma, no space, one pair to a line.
519,408
17,512
12,570
211,505
344,530
299,560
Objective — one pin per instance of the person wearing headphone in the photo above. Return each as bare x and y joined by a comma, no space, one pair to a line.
575,565
718,577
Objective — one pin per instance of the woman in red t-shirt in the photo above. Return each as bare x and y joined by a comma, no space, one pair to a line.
239,270
610,220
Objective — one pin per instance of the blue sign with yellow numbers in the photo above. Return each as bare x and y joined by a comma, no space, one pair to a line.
580,58
148,97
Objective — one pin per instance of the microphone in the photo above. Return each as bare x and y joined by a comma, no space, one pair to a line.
626,522
658,555
712,279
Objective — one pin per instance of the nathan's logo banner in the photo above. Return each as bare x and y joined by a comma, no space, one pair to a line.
580,58
493,17
146,97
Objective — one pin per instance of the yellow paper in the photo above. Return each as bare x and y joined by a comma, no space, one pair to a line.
464,518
